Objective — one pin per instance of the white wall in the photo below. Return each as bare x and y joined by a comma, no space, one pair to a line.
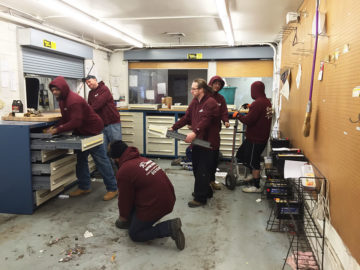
119,77
10,69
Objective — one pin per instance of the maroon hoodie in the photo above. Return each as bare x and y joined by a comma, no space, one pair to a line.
143,185
101,100
203,118
258,120
77,115
223,110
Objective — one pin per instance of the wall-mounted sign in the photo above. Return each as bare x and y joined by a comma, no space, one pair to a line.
193,56
49,44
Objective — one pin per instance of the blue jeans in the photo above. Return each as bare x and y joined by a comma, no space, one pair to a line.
103,165
142,231
112,133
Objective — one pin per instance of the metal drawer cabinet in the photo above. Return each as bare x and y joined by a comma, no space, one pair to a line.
156,145
132,129
41,196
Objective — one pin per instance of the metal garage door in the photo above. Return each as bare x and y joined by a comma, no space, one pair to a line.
52,64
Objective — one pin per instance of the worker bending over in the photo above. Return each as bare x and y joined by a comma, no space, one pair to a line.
77,116
145,196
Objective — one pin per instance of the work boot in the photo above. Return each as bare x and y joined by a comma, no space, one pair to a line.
215,186
194,204
122,224
79,192
176,233
110,195
210,195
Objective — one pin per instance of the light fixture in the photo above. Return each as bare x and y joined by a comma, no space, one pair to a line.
225,20
69,10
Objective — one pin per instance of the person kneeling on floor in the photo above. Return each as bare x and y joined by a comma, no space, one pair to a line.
145,196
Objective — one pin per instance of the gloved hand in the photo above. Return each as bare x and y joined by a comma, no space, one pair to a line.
235,114
245,106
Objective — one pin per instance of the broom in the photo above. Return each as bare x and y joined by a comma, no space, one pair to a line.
306,126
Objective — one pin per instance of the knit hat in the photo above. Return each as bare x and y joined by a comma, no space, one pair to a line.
117,148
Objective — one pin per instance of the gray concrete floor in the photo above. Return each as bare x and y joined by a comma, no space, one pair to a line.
228,233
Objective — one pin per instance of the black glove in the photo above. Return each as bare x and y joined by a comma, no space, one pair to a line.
245,106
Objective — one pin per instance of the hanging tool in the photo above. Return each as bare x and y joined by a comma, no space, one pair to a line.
306,126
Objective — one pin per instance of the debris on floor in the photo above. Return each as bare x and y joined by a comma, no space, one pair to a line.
70,253
63,196
56,240
88,234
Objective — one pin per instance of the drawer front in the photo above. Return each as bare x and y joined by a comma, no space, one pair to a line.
53,182
82,143
54,167
164,120
42,196
46,155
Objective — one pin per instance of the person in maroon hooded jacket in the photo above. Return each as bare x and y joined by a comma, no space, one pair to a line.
101,100
217,83
77,116
202,115
145,196
258,123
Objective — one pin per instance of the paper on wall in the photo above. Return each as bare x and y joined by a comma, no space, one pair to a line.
161,87
150,94
285,90
133,81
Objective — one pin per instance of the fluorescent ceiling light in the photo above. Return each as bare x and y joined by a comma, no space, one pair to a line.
225,20
76,14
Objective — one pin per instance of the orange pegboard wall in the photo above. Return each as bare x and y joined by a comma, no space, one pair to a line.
334,142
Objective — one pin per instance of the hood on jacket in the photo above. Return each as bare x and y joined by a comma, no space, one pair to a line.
60,83
257,90
217,78
130,153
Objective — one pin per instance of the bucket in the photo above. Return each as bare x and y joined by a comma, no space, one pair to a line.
228,93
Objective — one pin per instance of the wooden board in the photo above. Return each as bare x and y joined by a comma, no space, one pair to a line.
46,117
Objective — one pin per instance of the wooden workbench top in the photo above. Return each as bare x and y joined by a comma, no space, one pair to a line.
45,117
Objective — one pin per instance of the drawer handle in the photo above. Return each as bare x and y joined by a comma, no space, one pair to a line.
166,151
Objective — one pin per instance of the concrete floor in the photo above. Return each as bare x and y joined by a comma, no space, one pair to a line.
228,233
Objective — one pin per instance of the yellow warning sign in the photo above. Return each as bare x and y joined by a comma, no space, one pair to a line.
49,44
194,56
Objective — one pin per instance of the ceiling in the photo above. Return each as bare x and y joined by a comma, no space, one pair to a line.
162,23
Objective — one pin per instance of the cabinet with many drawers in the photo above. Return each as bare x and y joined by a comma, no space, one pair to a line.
132,129
226,139
36,166
156,145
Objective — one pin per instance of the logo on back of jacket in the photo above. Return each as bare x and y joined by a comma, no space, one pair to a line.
149,167
268,114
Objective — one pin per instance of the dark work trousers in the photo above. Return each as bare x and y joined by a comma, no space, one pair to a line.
214,165
141,231
202,161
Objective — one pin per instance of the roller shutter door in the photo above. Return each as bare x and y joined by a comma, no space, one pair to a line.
51,64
